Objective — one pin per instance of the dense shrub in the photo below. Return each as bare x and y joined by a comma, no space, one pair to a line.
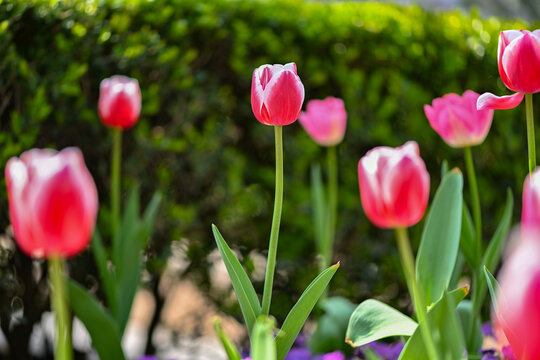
199,143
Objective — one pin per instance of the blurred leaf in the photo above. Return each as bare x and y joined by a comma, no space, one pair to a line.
263,346
332,326
100,325
373,320
493,286
468,243
494,250
440,239
230,349
299,313
107,278
465,312
318,208
247,298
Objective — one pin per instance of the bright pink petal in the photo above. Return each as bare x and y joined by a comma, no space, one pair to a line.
283,98
490,101
521,63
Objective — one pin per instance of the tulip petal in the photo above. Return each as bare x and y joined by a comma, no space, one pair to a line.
490,101
520,60
283,98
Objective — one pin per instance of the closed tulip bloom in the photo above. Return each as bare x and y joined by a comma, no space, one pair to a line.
277,94
518,311
325,120
394,185
119,104
518,57
52,202
530,215
456,119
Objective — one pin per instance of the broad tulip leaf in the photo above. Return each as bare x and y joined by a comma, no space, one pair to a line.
107,278
247,297
468,244
103,331
299,313
493,286
440,239
230,349
263,346
373,320
447,332
318,205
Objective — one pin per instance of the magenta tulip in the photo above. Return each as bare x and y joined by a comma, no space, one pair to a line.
277,94
518,58
325,121
53,202
518,311
394,185
530,215
456,119
119,104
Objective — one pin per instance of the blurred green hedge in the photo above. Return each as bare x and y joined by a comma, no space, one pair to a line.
198,142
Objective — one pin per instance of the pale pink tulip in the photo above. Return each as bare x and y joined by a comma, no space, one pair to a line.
325,120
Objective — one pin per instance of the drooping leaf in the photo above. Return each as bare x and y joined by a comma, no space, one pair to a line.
493,286
373,320
230,349
103,331
263,346
299,313
440,238
247,297
445,329
107,278
468,242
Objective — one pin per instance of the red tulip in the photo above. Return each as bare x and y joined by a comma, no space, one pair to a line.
277,94
457,121
518,58
325,121
52,202
518,311
394,185
119,102
530,215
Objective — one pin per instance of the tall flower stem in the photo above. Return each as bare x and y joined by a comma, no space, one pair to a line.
530,132
116,162
332,204
407,261
60,308
276,220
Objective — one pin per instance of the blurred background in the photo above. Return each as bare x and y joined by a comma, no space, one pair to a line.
199,144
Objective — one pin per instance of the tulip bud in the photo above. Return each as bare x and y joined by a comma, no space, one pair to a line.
52,202
456,119
325,121
277,94
518,312
394,185
530,215
119,103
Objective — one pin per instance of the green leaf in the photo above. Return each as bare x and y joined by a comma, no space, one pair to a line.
493,286
318,206
247,297
263,346
444,169
105,336
230,349
465,312
443,319
440,239
299,313
373,320
494,250
332,326
468,244
107,278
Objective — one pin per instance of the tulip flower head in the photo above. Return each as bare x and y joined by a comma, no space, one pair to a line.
518,57
325,121
277,94
518,312
394,185
530,215
119,103
52,202
456,119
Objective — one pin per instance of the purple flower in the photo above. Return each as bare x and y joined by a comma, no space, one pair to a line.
384,351
487,329
336,355
147,357
298,354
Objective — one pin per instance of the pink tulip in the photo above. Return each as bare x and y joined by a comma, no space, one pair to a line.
394,185
119,103
325,121
277,94
518,58
457,121
52,202
518,311
530,215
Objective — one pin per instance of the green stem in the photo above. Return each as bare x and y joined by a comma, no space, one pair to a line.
407,261
115,179
60,308
530,132
332,204
276,220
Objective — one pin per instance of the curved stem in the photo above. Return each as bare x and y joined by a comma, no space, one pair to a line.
407,261
276,220
115,179
60,308
530,132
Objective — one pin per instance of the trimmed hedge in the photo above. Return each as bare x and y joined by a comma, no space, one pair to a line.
198,142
